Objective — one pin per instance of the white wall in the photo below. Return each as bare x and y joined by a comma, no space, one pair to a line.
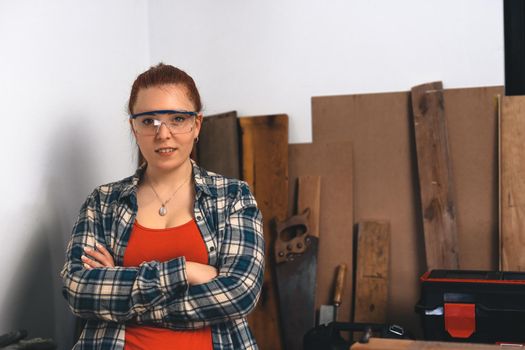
262,57
66,68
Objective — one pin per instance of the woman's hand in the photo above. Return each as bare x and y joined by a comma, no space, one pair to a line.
199,273
97,258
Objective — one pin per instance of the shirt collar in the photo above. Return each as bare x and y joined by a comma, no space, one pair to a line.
202,181
199,177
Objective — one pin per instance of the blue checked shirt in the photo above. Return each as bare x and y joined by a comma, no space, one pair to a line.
157,293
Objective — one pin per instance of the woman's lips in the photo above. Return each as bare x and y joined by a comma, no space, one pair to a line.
164,151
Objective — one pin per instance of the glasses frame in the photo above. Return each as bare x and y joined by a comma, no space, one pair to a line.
166,111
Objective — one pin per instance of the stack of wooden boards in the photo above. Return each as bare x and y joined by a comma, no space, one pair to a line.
364,150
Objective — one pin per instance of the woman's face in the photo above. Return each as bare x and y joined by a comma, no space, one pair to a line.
165,151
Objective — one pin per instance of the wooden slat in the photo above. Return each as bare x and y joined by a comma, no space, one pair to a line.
398,344
435,177
265,168
218,146
333,162
372,271
512,201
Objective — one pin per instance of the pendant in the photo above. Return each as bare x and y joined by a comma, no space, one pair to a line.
163,211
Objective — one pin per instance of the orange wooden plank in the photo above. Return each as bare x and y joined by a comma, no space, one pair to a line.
512,200
265,168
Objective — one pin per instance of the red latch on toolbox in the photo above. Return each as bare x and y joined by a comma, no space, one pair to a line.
460,319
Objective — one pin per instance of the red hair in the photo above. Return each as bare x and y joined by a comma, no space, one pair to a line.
164,74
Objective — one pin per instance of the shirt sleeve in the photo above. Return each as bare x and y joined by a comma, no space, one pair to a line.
234,292
114,294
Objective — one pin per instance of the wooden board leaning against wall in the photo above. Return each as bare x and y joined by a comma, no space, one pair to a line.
372,271
385,170
265,168
512,201
218,148
435,176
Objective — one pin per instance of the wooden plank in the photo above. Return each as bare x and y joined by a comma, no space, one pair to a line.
265,168
435,177
512,199
372,271
399,344
385,178
333,162
218,147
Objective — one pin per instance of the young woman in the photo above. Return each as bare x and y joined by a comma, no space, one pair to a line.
173,256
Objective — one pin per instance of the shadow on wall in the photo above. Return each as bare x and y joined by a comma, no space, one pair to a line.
36,302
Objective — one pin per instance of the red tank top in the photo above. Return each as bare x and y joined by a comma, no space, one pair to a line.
147,244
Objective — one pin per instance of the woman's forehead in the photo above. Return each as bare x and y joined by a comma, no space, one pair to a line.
163,97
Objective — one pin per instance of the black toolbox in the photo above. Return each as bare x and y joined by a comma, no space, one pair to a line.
473,306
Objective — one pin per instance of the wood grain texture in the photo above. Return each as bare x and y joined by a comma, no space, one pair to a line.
512,201
218,149
398,344
372,271
309,197
436,183
385,176
265,168
333,163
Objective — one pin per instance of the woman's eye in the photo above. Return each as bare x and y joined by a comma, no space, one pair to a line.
178,119
148,121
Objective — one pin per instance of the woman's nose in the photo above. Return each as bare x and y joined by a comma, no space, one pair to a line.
163,132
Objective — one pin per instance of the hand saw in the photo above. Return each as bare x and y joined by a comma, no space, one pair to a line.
295,253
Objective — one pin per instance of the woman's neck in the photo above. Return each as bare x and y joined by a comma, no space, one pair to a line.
168,179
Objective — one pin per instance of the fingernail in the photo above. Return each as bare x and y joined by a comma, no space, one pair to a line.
86,266
87,249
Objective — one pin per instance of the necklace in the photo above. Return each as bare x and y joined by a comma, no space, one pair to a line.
163,210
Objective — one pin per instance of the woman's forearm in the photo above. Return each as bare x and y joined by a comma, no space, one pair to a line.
199,273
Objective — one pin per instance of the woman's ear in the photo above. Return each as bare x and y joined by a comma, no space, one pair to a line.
198,124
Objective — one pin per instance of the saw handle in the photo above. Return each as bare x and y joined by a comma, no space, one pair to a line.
339,284
287,246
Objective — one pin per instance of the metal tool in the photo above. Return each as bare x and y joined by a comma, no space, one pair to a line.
296,268
328,313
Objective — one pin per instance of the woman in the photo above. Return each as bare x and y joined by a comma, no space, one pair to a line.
172,257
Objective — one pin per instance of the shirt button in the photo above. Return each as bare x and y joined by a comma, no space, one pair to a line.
212,249
199,217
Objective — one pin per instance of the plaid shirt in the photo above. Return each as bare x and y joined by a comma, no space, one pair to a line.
157,293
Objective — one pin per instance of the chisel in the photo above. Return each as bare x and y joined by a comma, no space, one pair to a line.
328,313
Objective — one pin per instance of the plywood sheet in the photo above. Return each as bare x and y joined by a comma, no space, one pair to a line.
384,173
333,162
473,138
